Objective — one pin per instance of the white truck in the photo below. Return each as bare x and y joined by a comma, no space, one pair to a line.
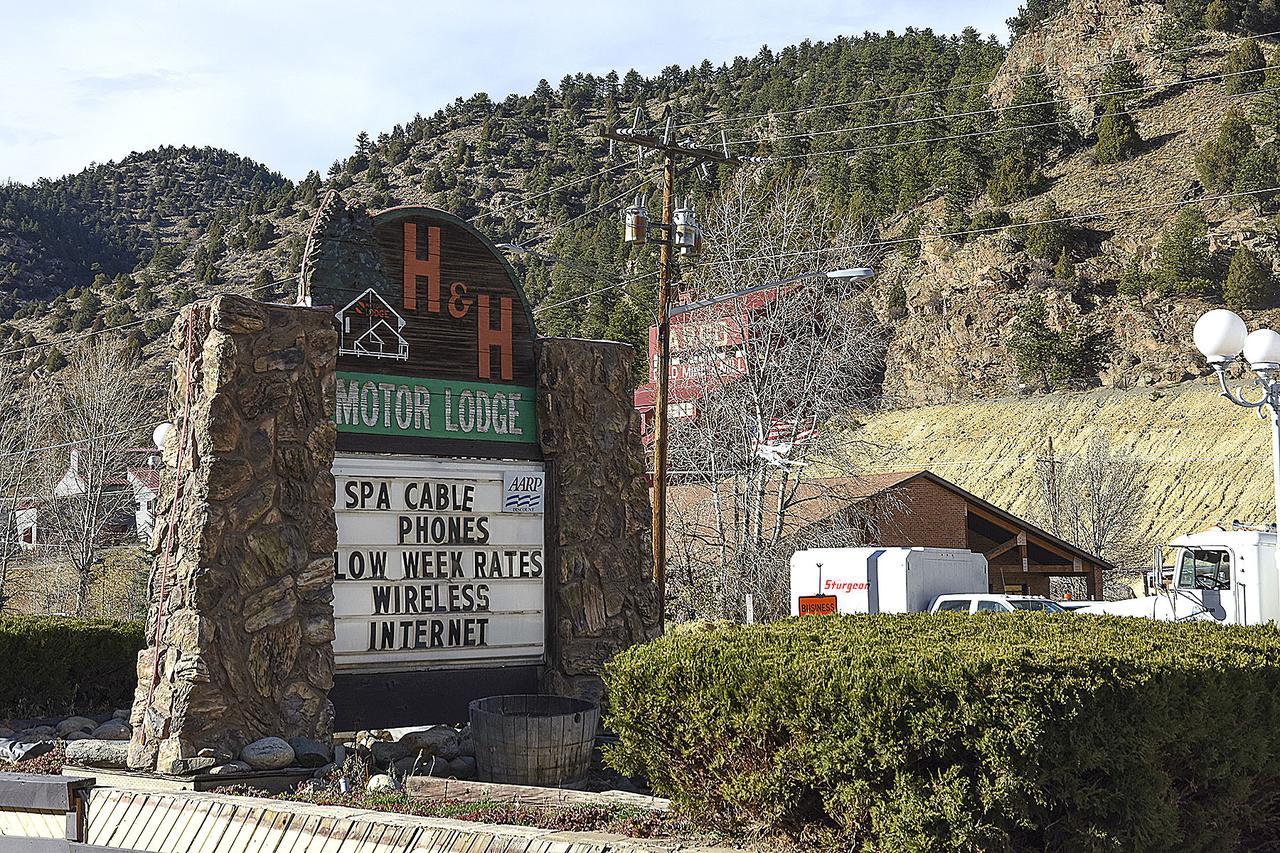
881,580
1224,574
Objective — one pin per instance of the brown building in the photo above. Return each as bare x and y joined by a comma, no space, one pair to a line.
921,509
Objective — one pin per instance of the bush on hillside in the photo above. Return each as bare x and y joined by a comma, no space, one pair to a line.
925,732
1245,64
1249,282
1183,265
59,665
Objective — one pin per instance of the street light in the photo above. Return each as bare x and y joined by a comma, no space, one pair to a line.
1222,336
856,273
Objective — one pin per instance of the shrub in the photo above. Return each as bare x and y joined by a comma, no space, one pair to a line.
1118,137
1248,283
57,665
1220,157
1183,264
1245,63
1047,237
924,732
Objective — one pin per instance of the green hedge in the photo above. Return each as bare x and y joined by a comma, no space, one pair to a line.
56,665
922,732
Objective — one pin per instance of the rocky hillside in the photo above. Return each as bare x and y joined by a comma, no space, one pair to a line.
1205,461
1127,323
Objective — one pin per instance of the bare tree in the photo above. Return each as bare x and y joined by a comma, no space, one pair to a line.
20,436
763,462
99,410
1094,499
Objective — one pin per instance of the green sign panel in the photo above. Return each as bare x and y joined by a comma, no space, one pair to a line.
382,404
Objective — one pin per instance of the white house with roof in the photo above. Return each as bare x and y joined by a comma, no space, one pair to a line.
369,327
140,479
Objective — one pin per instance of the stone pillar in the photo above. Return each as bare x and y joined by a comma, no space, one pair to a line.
243,621
603,597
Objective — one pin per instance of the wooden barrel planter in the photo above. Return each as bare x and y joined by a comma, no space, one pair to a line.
533,739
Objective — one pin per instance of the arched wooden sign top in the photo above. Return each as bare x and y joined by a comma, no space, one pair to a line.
435,335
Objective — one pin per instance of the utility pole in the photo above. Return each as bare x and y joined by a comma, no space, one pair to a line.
687,241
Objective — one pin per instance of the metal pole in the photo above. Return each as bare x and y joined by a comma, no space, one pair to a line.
1275,465
664,378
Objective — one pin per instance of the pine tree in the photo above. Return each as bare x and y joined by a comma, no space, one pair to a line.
1039,351
1257,173
1120,80
1244,68
959,178
1183,255
1065,270
1046,239
1030,121
54,360
1249,283
1218,160
1220,16
1016,177
1117,135
1134,282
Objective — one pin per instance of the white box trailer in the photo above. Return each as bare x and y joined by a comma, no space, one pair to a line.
881,580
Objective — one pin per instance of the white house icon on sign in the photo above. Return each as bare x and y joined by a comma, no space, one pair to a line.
368,326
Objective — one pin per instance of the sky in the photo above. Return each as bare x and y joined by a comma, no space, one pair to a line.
290,84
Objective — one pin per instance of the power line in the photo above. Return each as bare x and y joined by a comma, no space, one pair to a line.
956,88
80,336
1012,107
1074,217
31,450
525,200
990,131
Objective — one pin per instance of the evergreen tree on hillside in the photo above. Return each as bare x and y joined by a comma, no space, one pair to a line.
1031,123
1266,106
1120,81
1249,283
1047,239
1117,135
1257,175
1244,68
1220,157
1016,177
1182,256
1041,352
1032,14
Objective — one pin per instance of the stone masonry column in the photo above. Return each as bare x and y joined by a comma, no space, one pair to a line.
242,620
603,596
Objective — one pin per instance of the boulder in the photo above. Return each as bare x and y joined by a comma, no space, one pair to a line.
385,754
113,729
40,731
463,767
437,740
308,752
82,736
231,768
120,714
75,724
21,750
381,782
323,772
110,754
268,753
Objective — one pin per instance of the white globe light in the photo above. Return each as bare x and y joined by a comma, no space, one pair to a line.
1220,334
161,434
1262,349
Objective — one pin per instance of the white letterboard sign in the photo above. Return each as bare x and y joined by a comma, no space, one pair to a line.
440,563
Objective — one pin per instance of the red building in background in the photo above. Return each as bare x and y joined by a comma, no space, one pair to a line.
715,335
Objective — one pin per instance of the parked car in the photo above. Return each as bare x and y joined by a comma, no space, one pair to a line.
993,603
1074,604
